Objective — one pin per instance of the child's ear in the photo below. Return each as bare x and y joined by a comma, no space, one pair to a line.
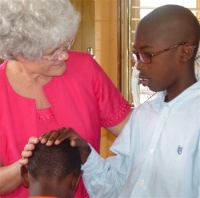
76,179
24,176
187,52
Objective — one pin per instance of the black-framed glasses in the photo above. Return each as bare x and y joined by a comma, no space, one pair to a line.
147,57
56,55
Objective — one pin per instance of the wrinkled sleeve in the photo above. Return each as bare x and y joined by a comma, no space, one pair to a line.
113,107
106,177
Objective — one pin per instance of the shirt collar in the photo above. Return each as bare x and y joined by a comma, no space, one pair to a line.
159,101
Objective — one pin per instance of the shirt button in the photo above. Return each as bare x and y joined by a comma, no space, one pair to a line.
163,116
151,150
173,110
141,182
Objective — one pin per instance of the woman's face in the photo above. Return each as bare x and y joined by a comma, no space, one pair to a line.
52,62
53,68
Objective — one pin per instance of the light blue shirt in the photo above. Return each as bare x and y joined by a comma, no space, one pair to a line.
157,153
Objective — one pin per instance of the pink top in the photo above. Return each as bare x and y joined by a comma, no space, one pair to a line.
42,197
83,98
46,120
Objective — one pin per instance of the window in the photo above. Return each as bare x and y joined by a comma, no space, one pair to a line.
131,13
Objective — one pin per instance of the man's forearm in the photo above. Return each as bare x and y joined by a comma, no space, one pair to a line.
100,179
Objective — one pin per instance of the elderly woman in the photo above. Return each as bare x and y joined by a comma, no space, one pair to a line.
43,86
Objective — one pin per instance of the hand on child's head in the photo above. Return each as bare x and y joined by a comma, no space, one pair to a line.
57,136
54,137
28,148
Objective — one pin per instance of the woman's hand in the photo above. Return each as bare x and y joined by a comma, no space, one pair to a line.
27,152
57,136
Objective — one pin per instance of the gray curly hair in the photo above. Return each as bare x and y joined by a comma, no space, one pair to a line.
28,27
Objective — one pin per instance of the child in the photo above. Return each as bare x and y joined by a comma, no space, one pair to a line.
158,151
52,171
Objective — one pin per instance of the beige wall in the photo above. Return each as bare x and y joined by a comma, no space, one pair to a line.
106,51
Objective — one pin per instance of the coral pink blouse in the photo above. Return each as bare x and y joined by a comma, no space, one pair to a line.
83,98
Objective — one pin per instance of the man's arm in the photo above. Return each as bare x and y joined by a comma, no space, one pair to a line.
105,177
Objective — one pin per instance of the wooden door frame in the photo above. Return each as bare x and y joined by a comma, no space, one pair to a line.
119,66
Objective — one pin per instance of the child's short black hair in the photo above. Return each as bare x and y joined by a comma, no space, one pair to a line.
54,161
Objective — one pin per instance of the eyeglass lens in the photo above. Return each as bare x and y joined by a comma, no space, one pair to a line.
62,50
145,58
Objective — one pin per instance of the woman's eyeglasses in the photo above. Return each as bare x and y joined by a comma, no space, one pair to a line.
147,57
55,56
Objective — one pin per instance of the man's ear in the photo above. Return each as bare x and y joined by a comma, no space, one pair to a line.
24,176
187,52
76,179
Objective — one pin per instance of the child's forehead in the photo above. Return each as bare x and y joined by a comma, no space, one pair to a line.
142,46
152,38
145,44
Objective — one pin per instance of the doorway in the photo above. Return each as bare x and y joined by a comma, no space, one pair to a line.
85,38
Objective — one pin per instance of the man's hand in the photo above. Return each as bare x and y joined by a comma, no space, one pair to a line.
57,136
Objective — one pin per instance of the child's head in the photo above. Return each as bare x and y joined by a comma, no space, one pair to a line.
167,40
52,170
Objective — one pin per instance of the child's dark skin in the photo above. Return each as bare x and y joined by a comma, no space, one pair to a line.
55,137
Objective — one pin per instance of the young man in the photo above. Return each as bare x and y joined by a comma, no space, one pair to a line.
158,151
52,171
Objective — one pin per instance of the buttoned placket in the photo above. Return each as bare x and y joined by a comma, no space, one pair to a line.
146,172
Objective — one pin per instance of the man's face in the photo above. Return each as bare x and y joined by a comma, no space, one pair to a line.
162,73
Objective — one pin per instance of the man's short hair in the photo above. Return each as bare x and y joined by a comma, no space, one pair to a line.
54,161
